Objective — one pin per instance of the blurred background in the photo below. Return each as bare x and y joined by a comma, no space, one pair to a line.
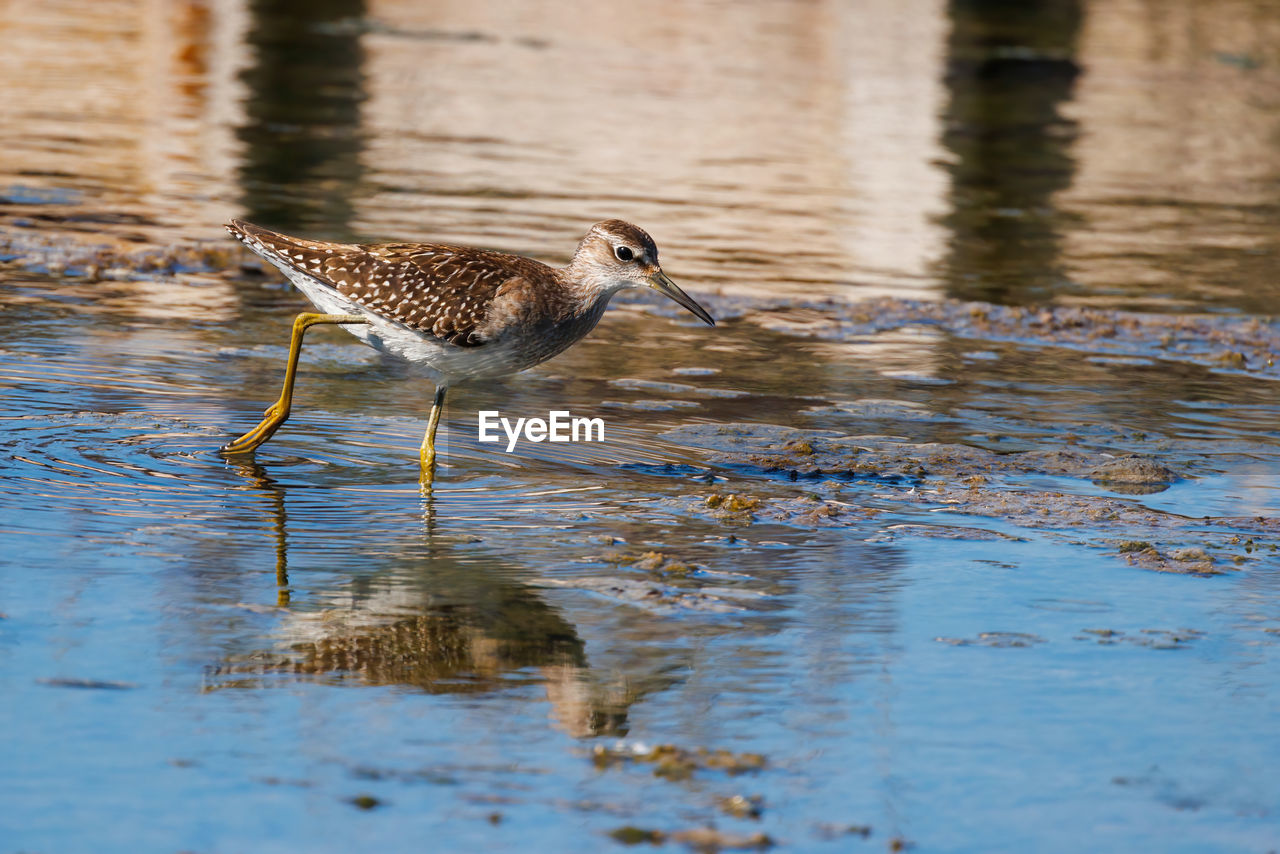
1118,153
957,533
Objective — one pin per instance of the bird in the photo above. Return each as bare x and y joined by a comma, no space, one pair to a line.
457,313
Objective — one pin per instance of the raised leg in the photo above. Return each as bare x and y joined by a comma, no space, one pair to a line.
427,454
278,412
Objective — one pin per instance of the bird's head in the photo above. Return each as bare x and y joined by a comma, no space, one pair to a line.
616,255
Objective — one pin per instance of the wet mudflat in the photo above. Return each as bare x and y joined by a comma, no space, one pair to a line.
958,533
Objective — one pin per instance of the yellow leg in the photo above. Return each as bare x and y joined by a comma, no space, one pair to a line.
427,454
278,412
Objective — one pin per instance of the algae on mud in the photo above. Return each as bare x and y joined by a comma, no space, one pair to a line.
978,482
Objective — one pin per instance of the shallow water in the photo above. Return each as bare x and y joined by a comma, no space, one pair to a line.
923,226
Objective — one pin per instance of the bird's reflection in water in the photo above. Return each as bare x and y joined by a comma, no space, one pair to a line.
447,621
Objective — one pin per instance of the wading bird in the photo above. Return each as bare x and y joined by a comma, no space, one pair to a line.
457,313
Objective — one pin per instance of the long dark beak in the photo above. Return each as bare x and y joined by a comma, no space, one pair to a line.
663,285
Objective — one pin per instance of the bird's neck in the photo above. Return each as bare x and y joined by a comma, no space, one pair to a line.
589,292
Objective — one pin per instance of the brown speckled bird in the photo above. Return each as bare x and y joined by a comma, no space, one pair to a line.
456,312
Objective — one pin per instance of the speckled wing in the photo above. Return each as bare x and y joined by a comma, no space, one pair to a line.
446,291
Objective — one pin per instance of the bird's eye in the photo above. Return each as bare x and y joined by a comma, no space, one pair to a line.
624,253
